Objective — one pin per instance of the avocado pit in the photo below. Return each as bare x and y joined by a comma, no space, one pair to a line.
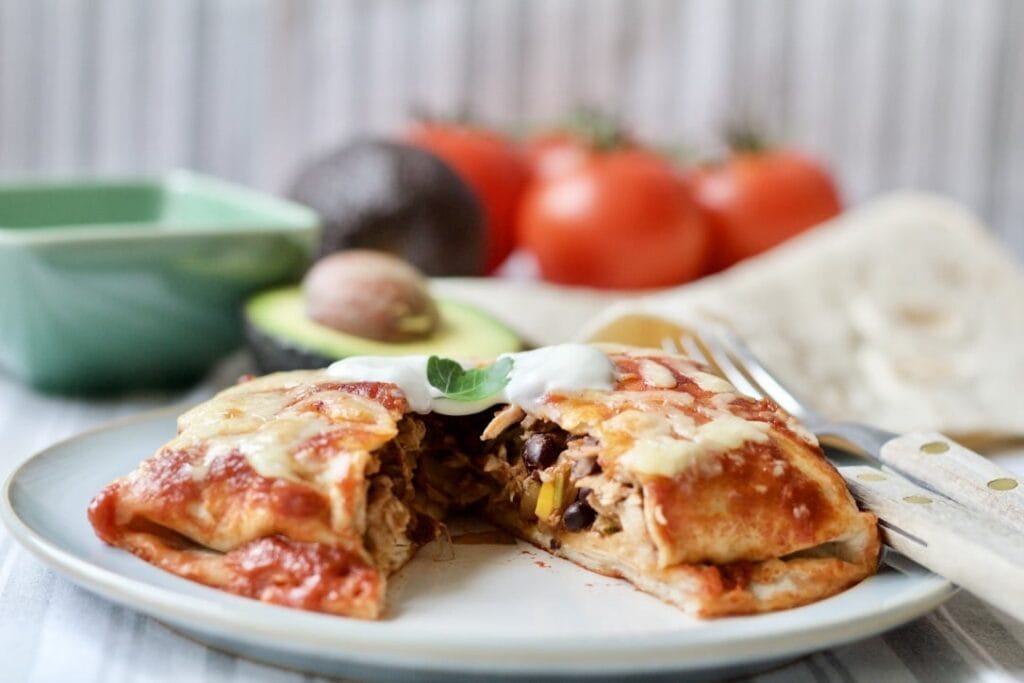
372,295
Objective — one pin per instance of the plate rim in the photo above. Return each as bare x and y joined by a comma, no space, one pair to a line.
239,618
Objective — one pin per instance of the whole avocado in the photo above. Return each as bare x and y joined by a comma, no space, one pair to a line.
376,194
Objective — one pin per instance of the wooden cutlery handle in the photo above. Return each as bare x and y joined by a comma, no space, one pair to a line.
975,552
959,474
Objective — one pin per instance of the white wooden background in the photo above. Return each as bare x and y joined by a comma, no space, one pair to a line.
893,93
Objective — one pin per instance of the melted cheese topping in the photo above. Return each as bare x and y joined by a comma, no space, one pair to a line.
712,383
666,446
728,432
268,427
657,375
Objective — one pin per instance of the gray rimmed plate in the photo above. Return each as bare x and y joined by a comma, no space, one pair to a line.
464,611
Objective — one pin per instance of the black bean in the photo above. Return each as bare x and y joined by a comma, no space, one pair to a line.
422,529
541,450
578,516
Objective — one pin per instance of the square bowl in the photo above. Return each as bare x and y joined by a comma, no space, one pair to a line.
115,284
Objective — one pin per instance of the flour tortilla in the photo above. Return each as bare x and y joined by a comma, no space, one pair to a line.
905,313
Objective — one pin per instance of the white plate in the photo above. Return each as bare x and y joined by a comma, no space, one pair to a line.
504,611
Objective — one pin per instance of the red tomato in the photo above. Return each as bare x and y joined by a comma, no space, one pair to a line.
554,153
492,166
756,200
622,219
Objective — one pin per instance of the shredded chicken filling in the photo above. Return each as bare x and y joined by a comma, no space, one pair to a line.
518,470
390,513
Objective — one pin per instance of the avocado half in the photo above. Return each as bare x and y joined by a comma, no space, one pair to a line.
282,337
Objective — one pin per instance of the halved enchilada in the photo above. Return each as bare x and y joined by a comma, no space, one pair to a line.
309,490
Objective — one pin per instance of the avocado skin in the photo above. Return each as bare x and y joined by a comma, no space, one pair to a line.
376,194
274,354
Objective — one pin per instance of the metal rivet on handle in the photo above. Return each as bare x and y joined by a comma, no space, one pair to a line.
1003,484
917,500
870,476
934,447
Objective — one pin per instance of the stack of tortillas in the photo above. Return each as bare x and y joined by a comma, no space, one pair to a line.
904,313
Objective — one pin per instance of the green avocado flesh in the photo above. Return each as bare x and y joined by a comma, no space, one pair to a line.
283,337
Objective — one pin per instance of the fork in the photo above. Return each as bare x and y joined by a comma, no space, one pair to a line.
967,525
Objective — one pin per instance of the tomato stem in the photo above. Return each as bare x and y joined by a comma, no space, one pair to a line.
603,132
744,139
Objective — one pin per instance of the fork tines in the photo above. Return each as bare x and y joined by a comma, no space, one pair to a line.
726,353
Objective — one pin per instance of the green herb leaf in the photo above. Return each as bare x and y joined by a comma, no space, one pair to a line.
459,384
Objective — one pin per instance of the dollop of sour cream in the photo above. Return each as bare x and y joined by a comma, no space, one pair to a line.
558,368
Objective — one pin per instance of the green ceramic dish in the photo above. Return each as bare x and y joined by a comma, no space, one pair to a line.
107,285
